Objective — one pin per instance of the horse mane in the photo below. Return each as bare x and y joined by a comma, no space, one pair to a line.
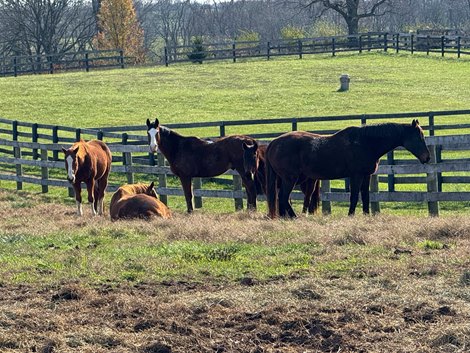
132,189
384,130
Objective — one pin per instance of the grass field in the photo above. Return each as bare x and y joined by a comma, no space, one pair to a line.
380,83
225,281
231,282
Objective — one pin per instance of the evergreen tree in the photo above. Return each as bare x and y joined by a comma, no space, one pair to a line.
198,54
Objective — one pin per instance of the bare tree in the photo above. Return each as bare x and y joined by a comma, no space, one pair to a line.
352,11
33,27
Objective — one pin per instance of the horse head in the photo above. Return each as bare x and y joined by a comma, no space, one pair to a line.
153,131
71,162
150,191
250,158
414,142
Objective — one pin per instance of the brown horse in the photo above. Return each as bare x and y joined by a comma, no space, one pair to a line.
353,152
254,157
137,201
191,157
88,162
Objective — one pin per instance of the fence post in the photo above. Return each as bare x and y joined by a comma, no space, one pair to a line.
391,177
324,189
299,45
443,45
51,64
15,69
121,58
78,133
431,178
87,62
268,52
428,45
237,186
385,42
162,178
222,129
166,56
398,43
127,160
374,188
458,47
99,135
197,185
45,172
17,154
294,124
34,138
333,46
55,139
369,45
360,44
438,151
234,52
412,39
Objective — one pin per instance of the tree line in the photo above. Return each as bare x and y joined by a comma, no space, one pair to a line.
143,27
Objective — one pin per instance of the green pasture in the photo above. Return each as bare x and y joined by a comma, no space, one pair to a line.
251,89
283,87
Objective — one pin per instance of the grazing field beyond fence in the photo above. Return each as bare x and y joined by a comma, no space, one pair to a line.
29,153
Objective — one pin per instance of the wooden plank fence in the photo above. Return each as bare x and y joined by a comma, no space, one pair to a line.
409,42
26,158
70,61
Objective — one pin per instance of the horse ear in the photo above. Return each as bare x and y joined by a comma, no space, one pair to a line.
255,145
417,122
414,123
64,150
151,186
148,123
75,151
157,123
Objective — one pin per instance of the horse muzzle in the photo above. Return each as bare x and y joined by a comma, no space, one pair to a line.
153,148
425,158
71,180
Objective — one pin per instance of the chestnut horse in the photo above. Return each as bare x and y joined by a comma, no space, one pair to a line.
353,152
137,201
88,162
254,162
191,157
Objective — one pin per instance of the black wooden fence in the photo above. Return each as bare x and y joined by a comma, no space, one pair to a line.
51,63
323,45
30,151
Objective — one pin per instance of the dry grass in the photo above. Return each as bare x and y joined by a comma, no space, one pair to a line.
372,284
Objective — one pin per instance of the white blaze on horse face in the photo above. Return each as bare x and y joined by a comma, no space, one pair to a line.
70,174
153,140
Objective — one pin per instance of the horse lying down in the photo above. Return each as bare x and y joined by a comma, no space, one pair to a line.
137,201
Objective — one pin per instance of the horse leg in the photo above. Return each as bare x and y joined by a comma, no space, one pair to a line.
284,193
315,197
188,192
356,182
365,194
307,189
78,198
96,196
90,186
250,187
101,190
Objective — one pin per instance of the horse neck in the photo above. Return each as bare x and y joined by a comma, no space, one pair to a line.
169,144
381,139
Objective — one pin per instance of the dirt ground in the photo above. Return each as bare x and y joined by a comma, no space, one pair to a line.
295,316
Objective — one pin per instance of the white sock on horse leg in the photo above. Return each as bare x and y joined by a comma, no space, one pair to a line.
93,211
79,209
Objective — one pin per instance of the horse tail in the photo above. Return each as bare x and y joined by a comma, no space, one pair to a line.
271,189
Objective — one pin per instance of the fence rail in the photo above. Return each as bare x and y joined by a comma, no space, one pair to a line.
29,153
446,44
51,63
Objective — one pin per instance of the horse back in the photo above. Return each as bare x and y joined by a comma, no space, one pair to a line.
142,206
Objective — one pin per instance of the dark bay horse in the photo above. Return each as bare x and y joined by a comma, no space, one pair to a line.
88,162
191,157
353,152
137,201
254,159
